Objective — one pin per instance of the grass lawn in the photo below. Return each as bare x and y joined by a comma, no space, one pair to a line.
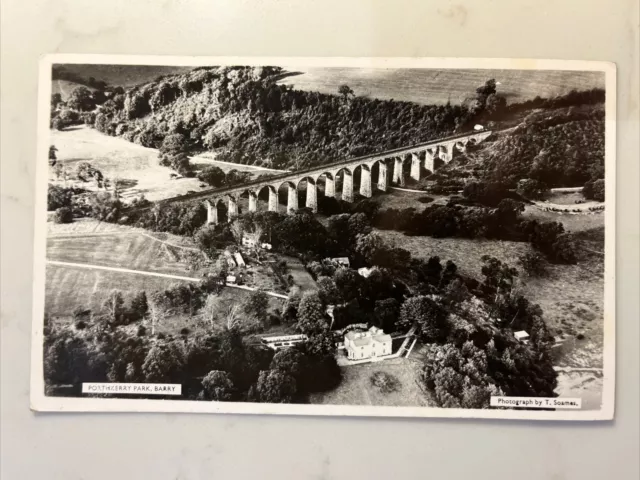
356,388
571,222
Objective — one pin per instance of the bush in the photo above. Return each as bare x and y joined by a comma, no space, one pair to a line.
80,325
425,199
58,197
594,190
384,382
533,264
142,331
532,189
184,331
63,215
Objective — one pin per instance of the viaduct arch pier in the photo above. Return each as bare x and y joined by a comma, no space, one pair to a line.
389,163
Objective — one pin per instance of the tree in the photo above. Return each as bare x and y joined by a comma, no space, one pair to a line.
164,363
427,314
212,175
348,283
256,304
218,386
58,197
52,155
237,230
114,305
139,305
533,264
173,153
386,313
81,99
594,190
328,291
311,314
66,361
532,189
104,207
63,215
345,91
290,361
56,99
157,310
274,386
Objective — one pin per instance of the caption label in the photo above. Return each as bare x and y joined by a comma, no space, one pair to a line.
133,388
537,402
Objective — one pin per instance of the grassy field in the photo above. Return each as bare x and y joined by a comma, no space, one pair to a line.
438,86
69,287
123,250
136,167
356,387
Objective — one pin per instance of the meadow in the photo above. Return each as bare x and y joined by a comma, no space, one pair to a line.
439,86
136,167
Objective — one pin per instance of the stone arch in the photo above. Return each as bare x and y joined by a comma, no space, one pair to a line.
362,179
344,179
380,173
310,196
267,194
290,187
327,181
216,210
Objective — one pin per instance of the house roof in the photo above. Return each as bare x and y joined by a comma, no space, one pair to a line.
382,338
521,334
362,341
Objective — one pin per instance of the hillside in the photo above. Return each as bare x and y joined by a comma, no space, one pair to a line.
246,116
114,75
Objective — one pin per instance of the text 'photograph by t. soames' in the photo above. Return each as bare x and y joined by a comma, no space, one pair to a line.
325,236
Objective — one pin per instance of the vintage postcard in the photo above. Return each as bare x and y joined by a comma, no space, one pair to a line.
325,236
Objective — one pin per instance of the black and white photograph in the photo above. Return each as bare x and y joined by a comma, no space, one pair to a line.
325,236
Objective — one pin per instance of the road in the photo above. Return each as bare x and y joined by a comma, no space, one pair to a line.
154,274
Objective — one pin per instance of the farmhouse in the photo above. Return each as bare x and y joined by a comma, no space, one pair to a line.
370,344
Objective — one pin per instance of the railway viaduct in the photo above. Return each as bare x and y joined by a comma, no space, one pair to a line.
391,161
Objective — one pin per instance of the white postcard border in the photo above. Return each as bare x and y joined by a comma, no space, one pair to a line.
40,402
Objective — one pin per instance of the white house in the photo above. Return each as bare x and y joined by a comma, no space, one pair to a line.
522,336
370,344
239,259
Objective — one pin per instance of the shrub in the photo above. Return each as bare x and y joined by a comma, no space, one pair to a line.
384,382
425,199
63,215
594,190
533,264
184,331
142,331
80,325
